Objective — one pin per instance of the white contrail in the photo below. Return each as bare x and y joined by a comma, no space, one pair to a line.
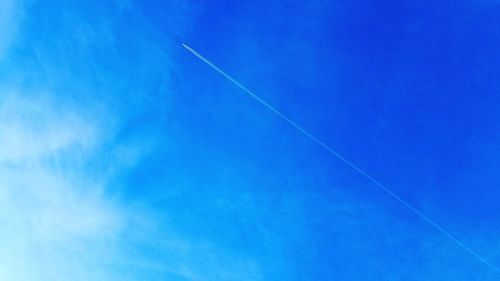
336,154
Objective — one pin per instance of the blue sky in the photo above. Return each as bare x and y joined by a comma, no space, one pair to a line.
124,157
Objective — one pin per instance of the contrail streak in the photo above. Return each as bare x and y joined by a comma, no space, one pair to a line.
347,162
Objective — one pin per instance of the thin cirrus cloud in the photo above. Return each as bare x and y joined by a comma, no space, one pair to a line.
59,222
48,218
69,101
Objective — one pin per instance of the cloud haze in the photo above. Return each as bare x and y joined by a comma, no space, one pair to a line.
60,219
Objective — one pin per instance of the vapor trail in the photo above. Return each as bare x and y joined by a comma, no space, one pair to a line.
347,162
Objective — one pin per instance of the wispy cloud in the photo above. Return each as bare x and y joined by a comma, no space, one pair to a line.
69,108
59,220
55,218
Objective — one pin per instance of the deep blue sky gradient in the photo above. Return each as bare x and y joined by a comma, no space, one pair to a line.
405,90
213,186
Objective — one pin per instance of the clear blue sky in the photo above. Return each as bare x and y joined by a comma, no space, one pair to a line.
124,157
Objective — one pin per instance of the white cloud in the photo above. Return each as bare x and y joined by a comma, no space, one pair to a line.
60,114
52,221
31,129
